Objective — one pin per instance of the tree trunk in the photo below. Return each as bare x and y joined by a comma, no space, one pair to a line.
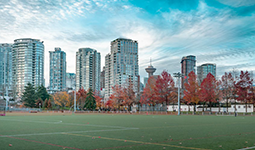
246,107
219,107
194,108
203,107
210,106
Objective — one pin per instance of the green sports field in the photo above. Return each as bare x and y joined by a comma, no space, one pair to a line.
106,131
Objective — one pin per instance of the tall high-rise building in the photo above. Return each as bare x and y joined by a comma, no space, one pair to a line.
5,66
121,65
204,69
57,70
88,63
70,81
27,63
188,64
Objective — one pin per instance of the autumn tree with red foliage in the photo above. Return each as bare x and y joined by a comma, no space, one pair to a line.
81,97
164,88
218,92
98,99
128,94
118,95
191,92
243,87
227,87
207,92
149,95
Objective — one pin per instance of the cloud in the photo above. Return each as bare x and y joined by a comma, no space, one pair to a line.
220,32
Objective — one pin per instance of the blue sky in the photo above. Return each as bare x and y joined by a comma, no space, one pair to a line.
216,31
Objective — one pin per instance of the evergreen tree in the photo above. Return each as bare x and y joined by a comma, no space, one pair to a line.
29,97
90,102
42,93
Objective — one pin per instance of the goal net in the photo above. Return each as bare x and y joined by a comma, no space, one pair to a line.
2,111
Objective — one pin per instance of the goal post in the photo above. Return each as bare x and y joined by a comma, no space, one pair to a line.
2,111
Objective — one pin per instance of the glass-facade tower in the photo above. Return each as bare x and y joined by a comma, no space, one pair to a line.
188,64
88,69
5,66
121,65
27,64
204,69
57,70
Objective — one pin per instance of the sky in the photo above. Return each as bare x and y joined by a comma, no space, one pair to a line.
215,31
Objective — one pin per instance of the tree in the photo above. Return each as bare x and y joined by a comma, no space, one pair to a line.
98,99
61,99
218,92
29,97
164,88
90,102
149,95
42,93
243,87
109,103
191,92
117,95
227,87
129,94
81,97
208,87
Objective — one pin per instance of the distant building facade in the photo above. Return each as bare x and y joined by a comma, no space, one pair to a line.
70,81
88,69
27,64
121,65
204,69
188,64
5,66
57,71
102,79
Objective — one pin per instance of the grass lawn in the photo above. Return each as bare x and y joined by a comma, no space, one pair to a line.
107,131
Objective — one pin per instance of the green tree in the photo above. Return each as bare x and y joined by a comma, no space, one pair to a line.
42,93
29,97
90,102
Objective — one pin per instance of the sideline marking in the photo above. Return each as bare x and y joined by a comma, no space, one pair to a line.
77,124
140,142
68,132
247,148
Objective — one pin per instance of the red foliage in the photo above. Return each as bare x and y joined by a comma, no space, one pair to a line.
128,94
191,92
117,95
98,99
208,86
164,87
149,96
243,87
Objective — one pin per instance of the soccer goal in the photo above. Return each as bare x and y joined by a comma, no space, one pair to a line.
2,111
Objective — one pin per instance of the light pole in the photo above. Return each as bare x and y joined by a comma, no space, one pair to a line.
178,76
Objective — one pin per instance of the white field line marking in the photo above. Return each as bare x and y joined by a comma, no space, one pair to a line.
66,123
247,148
67,132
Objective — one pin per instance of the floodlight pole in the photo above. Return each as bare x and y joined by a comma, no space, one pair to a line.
178,76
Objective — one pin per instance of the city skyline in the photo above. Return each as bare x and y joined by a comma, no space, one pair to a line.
220,32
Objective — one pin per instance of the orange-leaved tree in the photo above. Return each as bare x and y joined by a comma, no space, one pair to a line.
149,95
98,99
208,90
164,88
117,95
81,97
128,94
61,99
191,92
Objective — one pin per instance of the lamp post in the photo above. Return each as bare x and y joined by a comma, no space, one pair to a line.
178,76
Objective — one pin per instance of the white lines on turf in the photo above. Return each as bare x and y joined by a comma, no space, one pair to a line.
58,122
247,148
32,134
